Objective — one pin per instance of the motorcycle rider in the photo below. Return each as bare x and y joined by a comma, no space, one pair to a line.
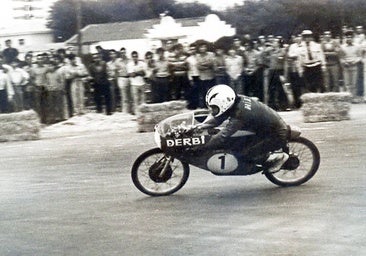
245,113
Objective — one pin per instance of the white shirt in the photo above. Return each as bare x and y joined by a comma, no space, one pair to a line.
351,54
192,66
294,51
363,49
316,52
234,66
358,39
133,67
18,76
5,83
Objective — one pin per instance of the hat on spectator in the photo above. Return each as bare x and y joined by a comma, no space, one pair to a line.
236,39
177,47
349,32
268,43
306,33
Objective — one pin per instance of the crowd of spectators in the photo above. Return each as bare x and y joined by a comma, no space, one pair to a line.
58,85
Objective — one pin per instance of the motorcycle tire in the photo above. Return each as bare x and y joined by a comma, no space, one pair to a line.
146,173
301,166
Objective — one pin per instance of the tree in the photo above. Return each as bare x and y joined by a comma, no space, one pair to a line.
63,16
255,17
288,17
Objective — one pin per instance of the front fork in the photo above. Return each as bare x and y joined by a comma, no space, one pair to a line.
168,160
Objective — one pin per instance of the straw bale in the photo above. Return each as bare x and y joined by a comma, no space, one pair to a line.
323,107
176,105
146,108
148,115
19,126
324,118
326,97
165,106
19,116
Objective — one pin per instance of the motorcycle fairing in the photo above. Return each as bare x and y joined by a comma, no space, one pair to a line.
175,138
219,162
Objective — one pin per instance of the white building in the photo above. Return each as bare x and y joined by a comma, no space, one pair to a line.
147,35
24,22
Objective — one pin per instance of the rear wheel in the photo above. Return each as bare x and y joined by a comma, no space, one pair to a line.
303,163
157,174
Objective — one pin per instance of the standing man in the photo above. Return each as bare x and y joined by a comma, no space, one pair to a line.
58,78
124,81
136,72
78,72
206,67
149,72
6,91
54,93
351,55
169,50
259,74
266,58
112,75
160,78
193,76
293,69
19,79
38,74
10,54
178,69
331,51
238,47
277,99
251,87
363,49
359,35
221,76
98,71
359,40
28,93
312,63
234,68
104,54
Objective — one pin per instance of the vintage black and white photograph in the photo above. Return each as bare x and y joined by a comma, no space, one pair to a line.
182,127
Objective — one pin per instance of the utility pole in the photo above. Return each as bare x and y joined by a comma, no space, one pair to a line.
78,26
341,14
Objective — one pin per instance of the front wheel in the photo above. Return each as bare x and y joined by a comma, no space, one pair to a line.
303,163
157,174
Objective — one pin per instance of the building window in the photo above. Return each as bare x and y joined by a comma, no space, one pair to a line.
21,42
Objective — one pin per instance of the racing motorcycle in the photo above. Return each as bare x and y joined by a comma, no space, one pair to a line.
165,169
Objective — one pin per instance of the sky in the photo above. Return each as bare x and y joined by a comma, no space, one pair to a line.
216,4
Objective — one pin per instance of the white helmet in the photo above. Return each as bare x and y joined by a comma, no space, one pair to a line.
220,99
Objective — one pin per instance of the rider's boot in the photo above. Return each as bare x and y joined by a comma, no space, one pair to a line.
275,161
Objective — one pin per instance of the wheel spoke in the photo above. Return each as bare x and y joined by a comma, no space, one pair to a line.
148,176
306,158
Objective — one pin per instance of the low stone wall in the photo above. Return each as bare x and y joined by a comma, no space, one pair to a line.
148,115
323,107
18,126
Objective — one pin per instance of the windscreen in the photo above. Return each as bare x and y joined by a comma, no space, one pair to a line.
181,121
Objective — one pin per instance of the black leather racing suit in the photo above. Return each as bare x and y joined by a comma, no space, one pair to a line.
251,115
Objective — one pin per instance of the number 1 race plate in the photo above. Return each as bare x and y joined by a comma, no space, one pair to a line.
222,163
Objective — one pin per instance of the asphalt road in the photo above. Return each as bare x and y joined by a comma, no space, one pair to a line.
71,194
